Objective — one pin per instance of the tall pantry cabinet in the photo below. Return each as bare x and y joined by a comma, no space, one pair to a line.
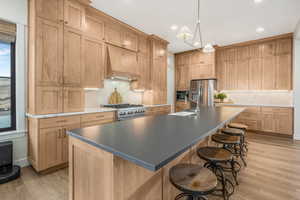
157,94
66,54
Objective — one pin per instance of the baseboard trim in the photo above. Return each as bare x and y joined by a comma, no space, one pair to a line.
22,162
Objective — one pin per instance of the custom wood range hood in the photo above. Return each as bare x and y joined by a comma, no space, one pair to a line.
122,64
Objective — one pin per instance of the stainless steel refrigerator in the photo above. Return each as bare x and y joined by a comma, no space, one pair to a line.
202,93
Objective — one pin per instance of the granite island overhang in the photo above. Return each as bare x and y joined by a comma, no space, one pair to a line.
142,148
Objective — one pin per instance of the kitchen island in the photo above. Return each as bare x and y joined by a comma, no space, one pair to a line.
129,160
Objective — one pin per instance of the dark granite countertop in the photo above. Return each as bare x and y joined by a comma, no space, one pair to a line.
154,141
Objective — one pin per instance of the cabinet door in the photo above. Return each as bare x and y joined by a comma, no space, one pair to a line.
268,122
49,53
49,100
284,72
50,147
93,63
283,120
73,99
242,74
159,50
50,9
74,14
143,69
113,34
128,62
129,40
73,59
255,74
65,141
183,77
199,71
144,47
269,73
94,28
221,73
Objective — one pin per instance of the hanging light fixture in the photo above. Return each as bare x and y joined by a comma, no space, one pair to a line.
195,40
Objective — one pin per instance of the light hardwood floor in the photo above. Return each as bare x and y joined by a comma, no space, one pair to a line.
273,173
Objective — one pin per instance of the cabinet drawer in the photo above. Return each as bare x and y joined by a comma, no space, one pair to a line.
250,115
58,121
97,116
253,110
96,123
159,108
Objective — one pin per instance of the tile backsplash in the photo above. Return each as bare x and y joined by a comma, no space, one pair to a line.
95,98
261,97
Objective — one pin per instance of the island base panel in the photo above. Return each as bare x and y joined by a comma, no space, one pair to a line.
96,174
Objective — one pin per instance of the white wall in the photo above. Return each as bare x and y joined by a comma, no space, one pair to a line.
101,96
171,79
15,11
297,88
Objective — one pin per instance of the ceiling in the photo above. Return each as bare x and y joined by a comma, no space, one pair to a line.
223,22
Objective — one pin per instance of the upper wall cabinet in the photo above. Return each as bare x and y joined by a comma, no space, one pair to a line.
113,33
129,39
94,28
118,35
74,15
265,65
50,9
73,57
93,63
49,53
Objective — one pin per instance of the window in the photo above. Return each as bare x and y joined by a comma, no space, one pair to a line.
7,83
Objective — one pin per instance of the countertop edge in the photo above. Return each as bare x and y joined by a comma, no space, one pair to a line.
92,110
254,105
148,166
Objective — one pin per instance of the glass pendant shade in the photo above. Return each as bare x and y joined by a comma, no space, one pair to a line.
208,48
185,33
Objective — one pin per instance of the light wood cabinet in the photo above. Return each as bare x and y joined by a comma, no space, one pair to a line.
143,66
48,142
93,63
158,110
73,59
73,99
113,34
268,119
51,147
182,77
74,15
261,65
129,39
49,53
50,9
94,28
118,35
181,105
193,65
49,100
158,75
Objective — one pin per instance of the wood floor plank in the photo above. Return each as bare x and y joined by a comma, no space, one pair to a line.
273,173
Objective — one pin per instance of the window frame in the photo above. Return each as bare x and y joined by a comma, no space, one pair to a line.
12,89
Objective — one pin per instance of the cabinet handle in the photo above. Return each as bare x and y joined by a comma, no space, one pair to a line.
66,22
61,121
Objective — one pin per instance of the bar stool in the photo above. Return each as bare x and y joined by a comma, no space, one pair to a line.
241,127
237,132
194,181
231,143
221,160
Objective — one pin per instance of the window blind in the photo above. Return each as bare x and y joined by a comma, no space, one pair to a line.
7,32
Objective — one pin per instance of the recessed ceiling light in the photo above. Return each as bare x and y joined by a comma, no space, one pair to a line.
174,27
258,1
260,30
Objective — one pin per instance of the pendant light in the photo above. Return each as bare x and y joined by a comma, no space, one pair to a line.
195,40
